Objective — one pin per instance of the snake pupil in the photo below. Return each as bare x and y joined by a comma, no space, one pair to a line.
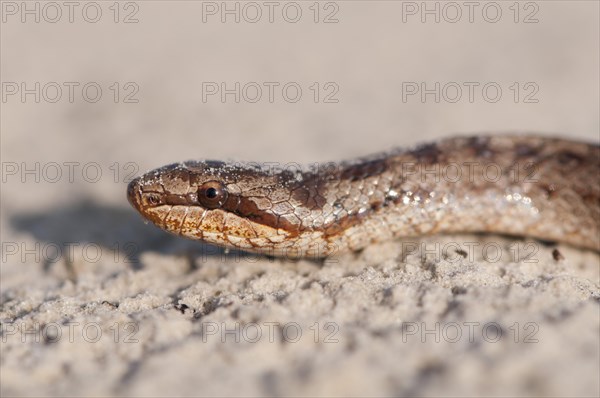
211,193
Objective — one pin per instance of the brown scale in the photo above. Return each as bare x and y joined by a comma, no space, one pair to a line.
561,178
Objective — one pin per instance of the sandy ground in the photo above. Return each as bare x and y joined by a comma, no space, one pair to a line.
95,302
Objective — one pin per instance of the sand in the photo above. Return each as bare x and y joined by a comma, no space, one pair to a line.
96,303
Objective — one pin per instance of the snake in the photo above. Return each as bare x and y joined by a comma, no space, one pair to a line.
533,186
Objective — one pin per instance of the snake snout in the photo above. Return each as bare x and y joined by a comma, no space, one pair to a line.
134,194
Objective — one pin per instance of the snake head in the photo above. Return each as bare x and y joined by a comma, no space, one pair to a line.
229,204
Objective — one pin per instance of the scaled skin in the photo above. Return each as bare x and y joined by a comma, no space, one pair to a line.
529,186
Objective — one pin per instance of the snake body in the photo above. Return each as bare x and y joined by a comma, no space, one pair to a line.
545,188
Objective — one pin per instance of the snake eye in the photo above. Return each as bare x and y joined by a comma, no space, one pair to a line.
212,194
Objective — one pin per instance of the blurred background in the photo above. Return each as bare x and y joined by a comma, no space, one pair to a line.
95,93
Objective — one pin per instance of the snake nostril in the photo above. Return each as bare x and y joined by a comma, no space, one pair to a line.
153,200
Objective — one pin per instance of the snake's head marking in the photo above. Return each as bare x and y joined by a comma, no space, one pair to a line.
236,205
